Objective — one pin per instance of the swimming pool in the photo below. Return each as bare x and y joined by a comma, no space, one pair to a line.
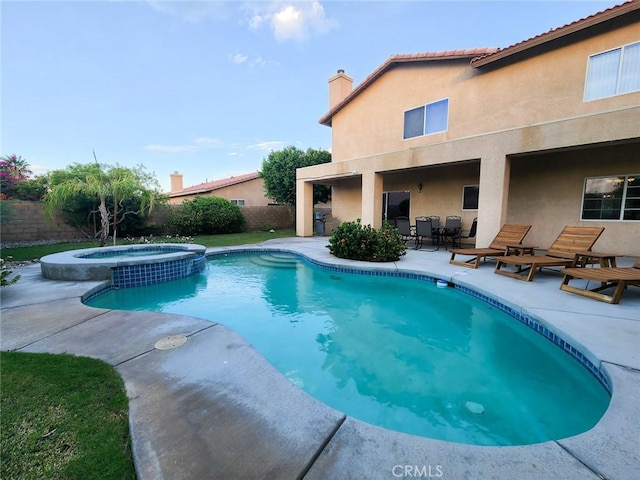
395,352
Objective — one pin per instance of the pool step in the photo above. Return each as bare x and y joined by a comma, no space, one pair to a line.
275,261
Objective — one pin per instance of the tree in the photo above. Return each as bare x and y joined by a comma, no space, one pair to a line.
279,174
13,170
104,189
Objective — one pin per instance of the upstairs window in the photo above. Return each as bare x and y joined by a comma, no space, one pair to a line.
427,119
611,198
613,73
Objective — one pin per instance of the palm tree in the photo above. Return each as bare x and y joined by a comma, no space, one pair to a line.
13,170
16,167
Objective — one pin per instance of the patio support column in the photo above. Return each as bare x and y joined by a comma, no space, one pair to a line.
493,197
372,185
304,208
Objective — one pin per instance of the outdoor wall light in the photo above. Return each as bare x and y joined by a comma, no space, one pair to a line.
420,187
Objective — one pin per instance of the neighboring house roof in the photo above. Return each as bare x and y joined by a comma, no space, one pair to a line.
215,185
556,33
397,59
482,56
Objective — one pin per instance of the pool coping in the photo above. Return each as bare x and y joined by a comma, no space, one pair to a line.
308,440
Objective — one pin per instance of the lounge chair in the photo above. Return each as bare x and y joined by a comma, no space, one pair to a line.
561,253
508,235
608,277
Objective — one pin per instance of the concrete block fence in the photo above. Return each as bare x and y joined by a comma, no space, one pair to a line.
24,221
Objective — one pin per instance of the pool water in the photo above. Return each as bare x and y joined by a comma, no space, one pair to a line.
394,352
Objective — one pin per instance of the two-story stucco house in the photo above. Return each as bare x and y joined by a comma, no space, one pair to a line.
242,190
544,132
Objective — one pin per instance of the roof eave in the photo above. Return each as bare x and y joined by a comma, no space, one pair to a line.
556,34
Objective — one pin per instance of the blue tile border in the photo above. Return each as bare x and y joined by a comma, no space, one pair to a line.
597,371
139,275
151,273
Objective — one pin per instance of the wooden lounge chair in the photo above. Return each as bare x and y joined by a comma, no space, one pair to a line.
560,254
508,235
608,277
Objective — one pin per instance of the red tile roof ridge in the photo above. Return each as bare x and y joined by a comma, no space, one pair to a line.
442,54
566,29
216,184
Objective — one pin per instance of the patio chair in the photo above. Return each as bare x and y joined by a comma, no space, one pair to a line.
508,235
404,229
424,230
467,234
561,253
451,230
608,277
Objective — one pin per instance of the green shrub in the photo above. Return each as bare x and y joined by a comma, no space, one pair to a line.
5,274
206,216
355,241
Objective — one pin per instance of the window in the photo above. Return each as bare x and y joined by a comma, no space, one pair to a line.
470,197
611,198
428,119
237,202
613,73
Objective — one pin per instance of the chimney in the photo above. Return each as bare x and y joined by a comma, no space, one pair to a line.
340,85
176,182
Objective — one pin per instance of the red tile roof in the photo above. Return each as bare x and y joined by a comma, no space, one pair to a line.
215,185
482,56
554,34
396,59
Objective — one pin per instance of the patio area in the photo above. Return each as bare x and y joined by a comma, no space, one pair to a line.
214,408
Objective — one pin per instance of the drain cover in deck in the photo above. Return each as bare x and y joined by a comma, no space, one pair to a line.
172,341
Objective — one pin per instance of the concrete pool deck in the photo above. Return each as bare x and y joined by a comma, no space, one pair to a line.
214,408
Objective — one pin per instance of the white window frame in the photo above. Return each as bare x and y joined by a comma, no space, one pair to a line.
425,119
618,73
239,202
464,187
622,202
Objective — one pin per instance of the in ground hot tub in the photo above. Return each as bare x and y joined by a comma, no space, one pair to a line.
126,266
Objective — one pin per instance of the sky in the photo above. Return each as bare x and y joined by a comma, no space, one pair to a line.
209,88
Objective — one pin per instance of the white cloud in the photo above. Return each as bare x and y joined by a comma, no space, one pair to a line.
207,142
291,20
288,23
234,154
238,58
266,146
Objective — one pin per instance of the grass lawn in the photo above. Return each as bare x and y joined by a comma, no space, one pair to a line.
24,254
63,417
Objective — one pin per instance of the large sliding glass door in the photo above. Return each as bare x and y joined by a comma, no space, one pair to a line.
395,204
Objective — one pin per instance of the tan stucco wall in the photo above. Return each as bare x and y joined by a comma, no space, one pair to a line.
251,191
546,192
